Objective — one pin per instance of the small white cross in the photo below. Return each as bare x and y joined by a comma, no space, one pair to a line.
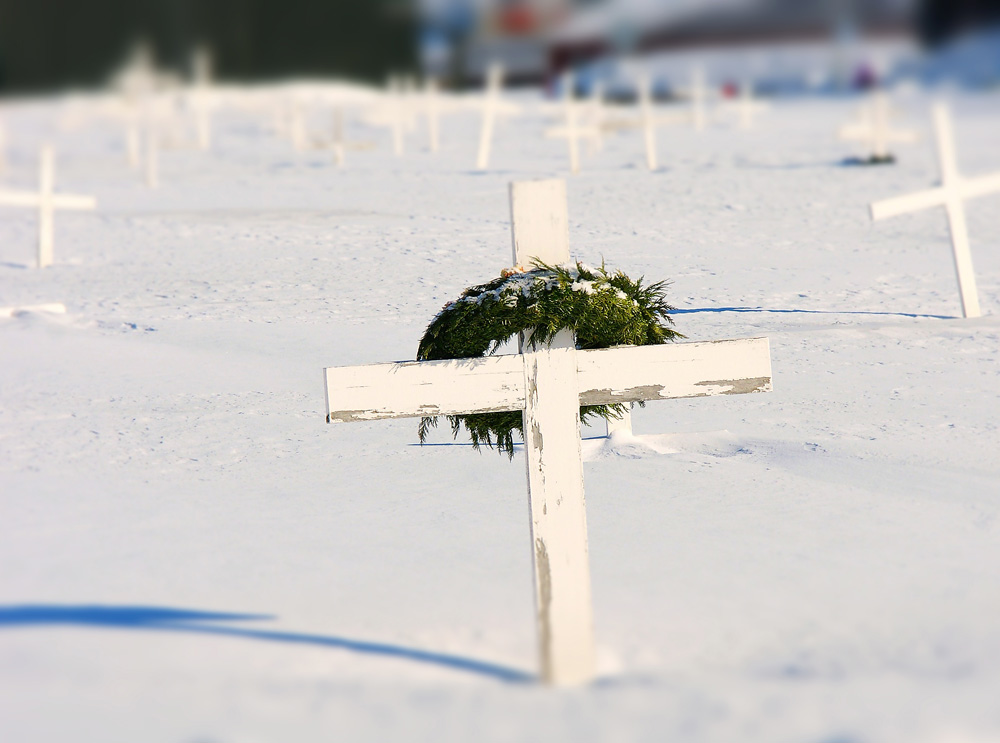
3,146
152,158
491,106
202,99
698,96
572,131
297,125
397,113
339,143
548,384
745,105
650,119
47,202
132,136
432,111
875,128
951,194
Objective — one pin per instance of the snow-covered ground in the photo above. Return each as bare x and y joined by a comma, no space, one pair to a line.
190,554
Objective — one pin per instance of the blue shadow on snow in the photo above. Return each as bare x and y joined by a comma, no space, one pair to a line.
201,622
809,312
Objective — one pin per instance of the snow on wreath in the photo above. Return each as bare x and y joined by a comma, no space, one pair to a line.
604,309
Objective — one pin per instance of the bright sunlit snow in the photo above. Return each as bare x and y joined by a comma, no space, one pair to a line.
190,553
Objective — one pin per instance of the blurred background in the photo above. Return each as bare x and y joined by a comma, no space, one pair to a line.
48,45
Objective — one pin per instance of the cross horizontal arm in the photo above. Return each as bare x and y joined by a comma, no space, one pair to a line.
910,203
410,389
987,184
19,198
854,131
69,201
635,373
59,201
581,132
496,383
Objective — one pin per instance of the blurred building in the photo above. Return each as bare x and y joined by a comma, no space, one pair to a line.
536,39
460,38
630,26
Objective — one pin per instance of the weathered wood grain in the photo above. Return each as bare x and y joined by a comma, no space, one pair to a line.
604,377
423,388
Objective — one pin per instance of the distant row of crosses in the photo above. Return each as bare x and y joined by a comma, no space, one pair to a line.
403,104
583,121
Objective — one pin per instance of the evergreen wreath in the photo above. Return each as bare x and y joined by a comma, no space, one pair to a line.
604,309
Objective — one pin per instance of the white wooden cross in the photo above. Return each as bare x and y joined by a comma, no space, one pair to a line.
698,96
409,102
491,107
875,129
132,135
152,159
396,113
951,194
432,111
572,130
339,143
649,119
597,113
202,96
47,202
548,384
297,125
745,105
648,122
393,110
3,146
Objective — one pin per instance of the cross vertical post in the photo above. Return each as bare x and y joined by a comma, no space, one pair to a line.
551,420
201,63
338,136
203,121
648,130
571,130
132,144
46,207
747,106
951,182
432,113
494,79
298,127
596,109
698,98
880,126
152,157
396,113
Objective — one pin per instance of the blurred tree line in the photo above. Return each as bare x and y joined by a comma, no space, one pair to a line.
939,20
52,44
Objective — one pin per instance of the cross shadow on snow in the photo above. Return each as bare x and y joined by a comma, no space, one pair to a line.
160,619
811,312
